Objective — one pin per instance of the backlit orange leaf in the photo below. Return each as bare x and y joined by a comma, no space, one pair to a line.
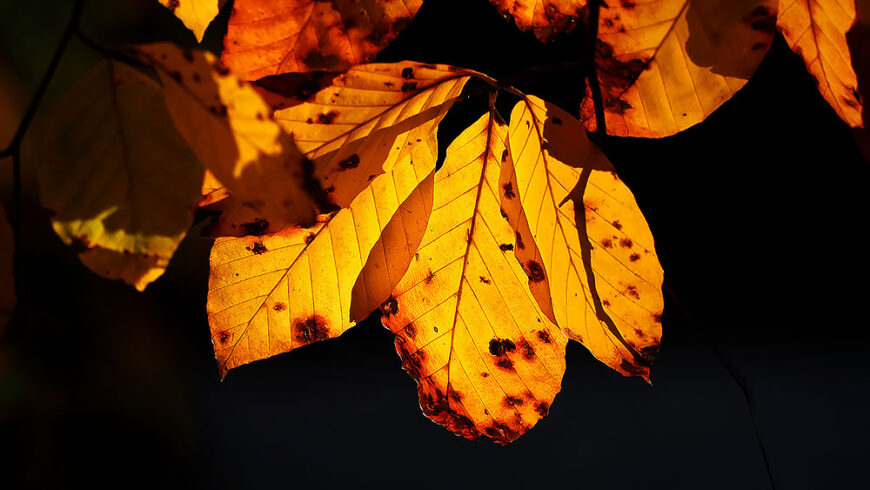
859,47
230,128
273,293
267,37
486,359
604,277
665,66
7,285
353,128
816,29
118,177
196,14
545,17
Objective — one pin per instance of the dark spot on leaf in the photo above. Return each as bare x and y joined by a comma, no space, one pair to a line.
657,317
520,244
534,271
310,329
634,257
349,162
528,351
544,336
484,375
607,243
410,331
256,227
505,363
625,243
407,86
408,73
258,248
310,238
557,121
429,277
390,307
616,224
506,247
484,280
632,291
504,155
542,408
509,190
279,306
223,336
327,117
512,401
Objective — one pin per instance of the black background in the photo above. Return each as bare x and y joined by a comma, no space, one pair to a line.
759,216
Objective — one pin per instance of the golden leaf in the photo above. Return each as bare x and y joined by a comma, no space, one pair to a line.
604,277
273,293
196,14
816,30
229,127
665,66
120,180
267,37
7,284
353,127
486,359
545,17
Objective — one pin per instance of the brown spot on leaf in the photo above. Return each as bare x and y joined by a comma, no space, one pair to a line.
256,227
528,351
429,277
484,280
327,117
310,238
310,329
408,86
390,307
410,330
505,363
505,247
616,224
349,162
626,243
534,271
258,248
279,306
509,190
632,291
520,244
499,347
223,336
607,243
634,257
542,408
408,73
657,317
512,401
544,336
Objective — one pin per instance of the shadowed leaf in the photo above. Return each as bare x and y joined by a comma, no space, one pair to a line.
604,277
120,180
230,128
272,37
665,66
816,30
545,17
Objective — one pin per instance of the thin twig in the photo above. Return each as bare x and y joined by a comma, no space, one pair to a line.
734,373
14,148
592,72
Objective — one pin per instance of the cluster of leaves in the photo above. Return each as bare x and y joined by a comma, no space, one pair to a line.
317,174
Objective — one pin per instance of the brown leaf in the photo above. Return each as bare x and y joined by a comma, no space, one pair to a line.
267,37
545,17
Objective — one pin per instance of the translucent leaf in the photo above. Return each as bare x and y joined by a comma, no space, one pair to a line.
230,128
196,14
267,37
119,179
816,30
486,359
545,17
666,65
603,274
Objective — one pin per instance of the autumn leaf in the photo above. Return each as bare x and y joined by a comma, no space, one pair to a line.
196,14
859,47
269,38
816,30
545,18
276,292
367,118
604,277
7,284
486,359
118,178
665,66
229,127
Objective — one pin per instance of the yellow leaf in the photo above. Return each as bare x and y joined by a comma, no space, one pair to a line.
604,277
664,66
229,127
7,284
118,177
545,17
486,359
267,37
816,30
280,291
354,127
196,14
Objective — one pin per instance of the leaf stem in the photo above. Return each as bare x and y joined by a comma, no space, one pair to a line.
14,148
592,72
